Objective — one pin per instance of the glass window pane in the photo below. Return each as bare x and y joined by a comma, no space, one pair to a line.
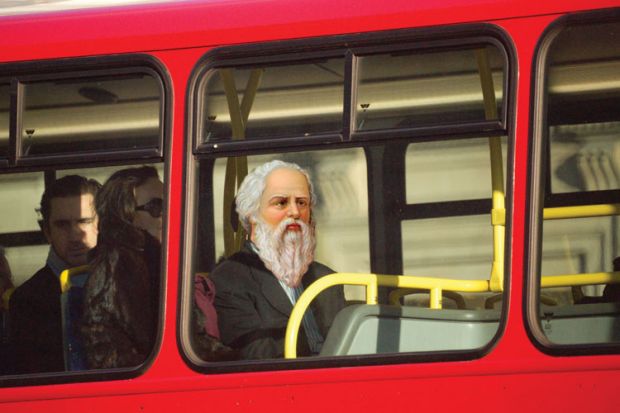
583,116
52,342
84,115
469,241
410,90
583,122
5,101
450,170
278,101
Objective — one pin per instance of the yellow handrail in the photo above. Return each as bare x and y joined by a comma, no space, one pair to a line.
372,283
236,167
395,296
65,276
580,279
583,211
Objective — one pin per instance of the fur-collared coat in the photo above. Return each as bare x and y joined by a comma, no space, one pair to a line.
119,324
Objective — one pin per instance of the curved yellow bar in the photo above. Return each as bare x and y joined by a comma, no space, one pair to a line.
584,211
372,283
580,279
65,276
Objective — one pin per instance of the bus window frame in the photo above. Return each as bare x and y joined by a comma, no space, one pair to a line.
48,165
352,46
197,153
539,193
84,69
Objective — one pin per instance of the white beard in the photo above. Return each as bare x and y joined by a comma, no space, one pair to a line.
287,254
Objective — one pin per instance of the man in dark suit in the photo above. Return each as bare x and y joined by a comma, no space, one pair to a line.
69,223
257,287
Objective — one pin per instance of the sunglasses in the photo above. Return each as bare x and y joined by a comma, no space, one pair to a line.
153,207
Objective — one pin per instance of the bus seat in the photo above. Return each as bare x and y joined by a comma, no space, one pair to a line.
373,329
581,323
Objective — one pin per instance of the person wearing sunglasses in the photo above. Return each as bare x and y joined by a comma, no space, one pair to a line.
119,323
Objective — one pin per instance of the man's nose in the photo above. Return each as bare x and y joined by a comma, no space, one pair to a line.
293,210
77,231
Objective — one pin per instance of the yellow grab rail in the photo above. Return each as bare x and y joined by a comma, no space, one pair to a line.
65,276
236,167
583,211
580,279
498,211
372,283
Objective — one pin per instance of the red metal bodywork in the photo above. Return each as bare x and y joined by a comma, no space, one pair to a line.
513,376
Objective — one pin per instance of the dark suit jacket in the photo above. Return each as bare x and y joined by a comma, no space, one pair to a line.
35,324
253,309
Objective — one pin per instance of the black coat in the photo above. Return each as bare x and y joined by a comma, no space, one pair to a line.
35,325
253,309
121,301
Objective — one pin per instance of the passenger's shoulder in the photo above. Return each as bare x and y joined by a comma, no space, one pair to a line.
40,284
234,266
40,279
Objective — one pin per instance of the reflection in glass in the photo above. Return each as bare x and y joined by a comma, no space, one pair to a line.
583,116
583,122
274,101
72,116
421,89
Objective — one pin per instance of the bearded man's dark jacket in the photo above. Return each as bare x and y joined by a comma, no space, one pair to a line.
253,309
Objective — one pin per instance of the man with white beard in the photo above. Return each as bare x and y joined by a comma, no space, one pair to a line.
257,287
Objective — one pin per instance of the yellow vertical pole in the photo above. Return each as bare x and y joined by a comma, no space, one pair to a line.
435,298
498,212
237,167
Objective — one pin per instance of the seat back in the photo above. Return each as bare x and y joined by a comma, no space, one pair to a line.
374,329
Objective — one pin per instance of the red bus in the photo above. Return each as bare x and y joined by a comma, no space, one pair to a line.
466,161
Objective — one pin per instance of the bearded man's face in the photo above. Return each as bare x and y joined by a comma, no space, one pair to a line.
286,253
283,231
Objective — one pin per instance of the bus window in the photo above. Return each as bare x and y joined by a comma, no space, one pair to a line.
402,90
4,120
86,115
398,209
306,99
98,125
579,301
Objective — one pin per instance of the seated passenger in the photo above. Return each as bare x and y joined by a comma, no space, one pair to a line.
121,294
69,223
257,287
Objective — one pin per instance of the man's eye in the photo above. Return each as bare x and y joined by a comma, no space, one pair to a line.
302,203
